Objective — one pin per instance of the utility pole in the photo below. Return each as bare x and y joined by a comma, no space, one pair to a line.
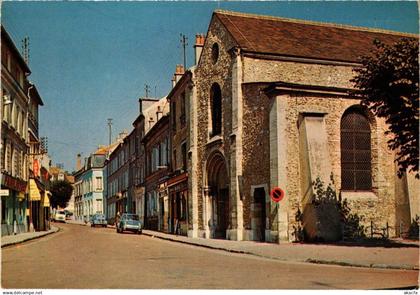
110,130
184,43
146,90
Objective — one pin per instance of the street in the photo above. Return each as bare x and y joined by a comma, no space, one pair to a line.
83,257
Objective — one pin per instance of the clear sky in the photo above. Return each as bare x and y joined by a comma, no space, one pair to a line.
91,60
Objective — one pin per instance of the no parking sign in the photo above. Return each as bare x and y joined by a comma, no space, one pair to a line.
277,194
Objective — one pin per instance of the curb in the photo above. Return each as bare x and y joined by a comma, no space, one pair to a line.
371,265
51,231
312,261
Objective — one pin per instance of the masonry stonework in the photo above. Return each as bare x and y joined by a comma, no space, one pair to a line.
261,142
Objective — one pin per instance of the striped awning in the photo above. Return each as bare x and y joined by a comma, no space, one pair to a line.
46,201
34,194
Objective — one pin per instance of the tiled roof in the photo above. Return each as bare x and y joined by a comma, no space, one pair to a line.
298,38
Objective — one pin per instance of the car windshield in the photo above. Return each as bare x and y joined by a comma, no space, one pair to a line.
61,212
100,216
132,217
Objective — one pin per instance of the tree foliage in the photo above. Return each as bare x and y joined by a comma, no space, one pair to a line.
61,191
389,85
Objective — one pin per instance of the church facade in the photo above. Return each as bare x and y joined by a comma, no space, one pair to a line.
272,106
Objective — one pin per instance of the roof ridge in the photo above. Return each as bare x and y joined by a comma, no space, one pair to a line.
316,23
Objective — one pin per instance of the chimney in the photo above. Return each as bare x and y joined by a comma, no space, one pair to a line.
173,81
158,114
198,47
179,71
141,106
78,162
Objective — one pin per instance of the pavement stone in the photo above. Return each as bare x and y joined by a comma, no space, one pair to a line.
402,255
23,237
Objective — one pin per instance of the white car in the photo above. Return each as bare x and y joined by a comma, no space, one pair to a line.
59,216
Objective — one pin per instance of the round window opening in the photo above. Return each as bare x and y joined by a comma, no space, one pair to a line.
215,52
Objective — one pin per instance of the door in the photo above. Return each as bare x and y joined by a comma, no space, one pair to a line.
260,213
222,213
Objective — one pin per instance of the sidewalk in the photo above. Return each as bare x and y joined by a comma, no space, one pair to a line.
20,238
398,255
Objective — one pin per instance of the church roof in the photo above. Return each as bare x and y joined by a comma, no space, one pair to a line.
298,38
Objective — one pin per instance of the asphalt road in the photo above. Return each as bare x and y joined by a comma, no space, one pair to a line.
94,258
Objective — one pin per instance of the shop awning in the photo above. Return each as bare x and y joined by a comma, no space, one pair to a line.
34,194
46,202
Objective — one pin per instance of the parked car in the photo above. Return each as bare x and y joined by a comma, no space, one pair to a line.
129,222
69,214
59,215
98,219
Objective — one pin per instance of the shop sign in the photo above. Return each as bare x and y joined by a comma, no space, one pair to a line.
179,187
35,167
4,192
14,183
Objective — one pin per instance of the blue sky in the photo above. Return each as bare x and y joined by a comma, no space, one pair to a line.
91,60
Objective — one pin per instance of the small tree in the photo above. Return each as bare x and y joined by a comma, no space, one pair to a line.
389,85
61,191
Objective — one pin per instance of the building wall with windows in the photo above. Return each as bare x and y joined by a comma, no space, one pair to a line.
178,210
266,119
14,137
157,147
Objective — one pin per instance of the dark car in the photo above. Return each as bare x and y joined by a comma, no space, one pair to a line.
98,219
129,222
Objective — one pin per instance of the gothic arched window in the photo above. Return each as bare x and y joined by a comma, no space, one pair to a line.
216,109
356,172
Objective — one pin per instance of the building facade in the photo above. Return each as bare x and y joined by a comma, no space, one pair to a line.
156,145
178,177
89,187
14,138
117,176
273,109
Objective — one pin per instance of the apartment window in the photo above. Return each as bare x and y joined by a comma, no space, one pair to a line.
163,152
184,155
182,118
173,116
216,109
355,151
22,124
13,162
174,160
98,183
13,114
21,79
3,155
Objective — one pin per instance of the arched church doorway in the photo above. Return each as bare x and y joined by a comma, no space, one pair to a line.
217,181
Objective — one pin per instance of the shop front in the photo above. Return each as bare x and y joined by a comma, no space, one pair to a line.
13,206
178,202
36,206
45,212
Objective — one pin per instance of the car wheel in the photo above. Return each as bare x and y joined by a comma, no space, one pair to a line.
139,232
